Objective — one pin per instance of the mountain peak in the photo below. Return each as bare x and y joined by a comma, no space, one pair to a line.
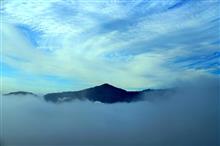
106,85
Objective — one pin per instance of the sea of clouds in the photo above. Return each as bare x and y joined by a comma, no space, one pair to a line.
189,117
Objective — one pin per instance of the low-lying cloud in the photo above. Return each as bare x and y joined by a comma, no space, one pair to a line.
190,117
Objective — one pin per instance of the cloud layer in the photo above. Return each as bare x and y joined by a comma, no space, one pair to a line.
189,117
133,45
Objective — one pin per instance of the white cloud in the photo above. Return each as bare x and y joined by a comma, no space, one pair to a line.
76,43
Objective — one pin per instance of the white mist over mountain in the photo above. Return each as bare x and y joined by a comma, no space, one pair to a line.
190,117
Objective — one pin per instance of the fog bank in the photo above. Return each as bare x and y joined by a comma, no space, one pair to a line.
189,117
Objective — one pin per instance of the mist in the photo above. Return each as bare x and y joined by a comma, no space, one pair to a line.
190,116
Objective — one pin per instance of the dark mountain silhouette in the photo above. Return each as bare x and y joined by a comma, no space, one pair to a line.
104,93
20,93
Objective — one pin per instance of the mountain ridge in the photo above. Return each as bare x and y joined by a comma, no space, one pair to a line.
20,93
104,93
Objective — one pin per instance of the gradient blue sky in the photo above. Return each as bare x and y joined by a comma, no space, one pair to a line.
54,45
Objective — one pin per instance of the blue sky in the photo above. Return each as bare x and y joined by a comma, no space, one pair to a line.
59,45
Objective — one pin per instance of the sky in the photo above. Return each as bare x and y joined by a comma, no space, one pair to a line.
59,45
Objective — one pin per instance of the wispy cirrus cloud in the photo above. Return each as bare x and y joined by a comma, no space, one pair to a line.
137,44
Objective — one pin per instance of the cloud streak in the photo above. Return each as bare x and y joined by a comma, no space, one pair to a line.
133,45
